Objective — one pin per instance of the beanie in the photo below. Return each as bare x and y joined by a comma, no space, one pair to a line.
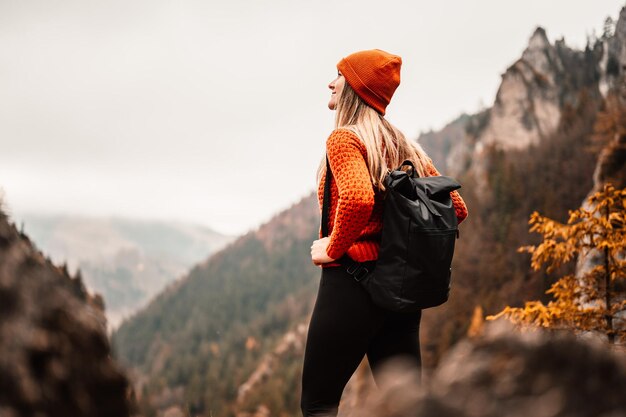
374,76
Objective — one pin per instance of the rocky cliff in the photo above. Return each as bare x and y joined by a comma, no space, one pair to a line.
535,92
55,358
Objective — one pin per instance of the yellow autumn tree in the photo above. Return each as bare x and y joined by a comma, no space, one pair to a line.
595,299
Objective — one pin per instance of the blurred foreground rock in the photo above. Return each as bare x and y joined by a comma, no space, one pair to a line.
54,351
507,374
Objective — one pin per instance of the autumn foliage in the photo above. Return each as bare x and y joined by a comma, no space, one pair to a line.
594,299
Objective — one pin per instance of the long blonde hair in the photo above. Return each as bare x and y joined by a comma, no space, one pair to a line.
386,146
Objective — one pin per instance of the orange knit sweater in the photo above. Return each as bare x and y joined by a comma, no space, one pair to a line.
355,212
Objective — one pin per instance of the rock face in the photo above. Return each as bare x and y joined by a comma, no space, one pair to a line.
547,82
54,352
507,374
527,104
534,93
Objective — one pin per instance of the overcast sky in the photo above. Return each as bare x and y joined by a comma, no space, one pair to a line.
215,112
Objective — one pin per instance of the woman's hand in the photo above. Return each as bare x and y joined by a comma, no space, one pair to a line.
318,251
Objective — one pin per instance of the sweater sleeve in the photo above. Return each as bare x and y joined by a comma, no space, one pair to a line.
459,205
346,155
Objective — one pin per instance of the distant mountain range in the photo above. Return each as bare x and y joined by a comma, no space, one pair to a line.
126,261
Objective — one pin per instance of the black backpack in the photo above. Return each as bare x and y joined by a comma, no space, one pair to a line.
418,236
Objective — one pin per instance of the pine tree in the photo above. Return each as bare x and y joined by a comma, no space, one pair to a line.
594,300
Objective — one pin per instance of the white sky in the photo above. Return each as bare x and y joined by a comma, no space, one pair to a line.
215,112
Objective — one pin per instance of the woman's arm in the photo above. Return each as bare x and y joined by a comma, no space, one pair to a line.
346,155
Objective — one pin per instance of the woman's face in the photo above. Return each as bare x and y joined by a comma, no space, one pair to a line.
336,86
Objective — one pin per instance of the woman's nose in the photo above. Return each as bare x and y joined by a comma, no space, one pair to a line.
331,85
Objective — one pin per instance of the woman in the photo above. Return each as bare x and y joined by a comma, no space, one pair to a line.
345,324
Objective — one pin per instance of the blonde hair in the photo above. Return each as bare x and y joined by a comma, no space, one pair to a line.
386,146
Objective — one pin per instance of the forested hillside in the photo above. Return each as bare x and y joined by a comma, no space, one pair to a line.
199,340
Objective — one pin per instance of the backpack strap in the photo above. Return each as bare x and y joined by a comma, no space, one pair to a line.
326,203
426,201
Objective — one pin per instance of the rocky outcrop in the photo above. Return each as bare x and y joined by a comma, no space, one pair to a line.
527,105
534,93
54,352
507,374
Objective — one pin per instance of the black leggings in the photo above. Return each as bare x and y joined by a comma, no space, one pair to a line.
345,326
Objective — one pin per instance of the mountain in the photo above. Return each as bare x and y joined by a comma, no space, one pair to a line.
226,340
55,357
537,95
126,261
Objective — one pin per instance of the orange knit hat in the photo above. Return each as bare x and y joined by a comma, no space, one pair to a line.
374,75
